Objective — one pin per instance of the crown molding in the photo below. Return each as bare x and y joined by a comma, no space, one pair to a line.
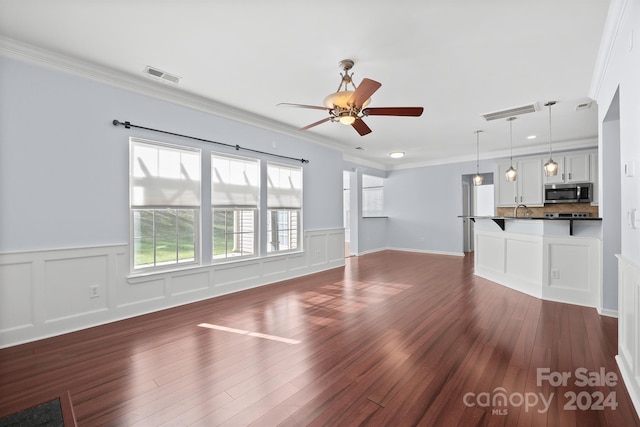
158,90
359,161
610,35
582,144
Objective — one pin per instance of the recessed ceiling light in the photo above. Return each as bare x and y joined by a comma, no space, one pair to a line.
396,154
531,137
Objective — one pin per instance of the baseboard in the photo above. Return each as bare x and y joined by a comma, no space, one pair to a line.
46,293
628,379
427,251
607,312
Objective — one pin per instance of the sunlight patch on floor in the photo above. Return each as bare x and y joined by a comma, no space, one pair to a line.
249,333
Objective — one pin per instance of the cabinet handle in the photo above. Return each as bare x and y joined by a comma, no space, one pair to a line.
569,175
515,199
520,198
563,177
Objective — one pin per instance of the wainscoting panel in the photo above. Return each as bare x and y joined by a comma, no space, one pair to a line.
240,273
573,269
75,286
187,283
140,292
298,262
490,252
47,293
16,296
317,248
335,247
564,269
524,258
274,267
629,326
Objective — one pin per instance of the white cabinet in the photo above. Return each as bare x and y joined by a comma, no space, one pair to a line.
573,167
526,189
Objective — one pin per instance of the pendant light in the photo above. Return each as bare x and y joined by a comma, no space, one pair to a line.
551,167
477,180
511,172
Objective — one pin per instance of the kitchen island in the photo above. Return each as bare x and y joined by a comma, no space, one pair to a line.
556,259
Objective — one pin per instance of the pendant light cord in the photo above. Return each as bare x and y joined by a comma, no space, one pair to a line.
549,104
511,138
478,152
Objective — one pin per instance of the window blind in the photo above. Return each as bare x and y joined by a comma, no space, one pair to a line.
284,187
164,176
234,182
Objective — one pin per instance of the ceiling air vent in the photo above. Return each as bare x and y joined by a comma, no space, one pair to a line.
161,75
583,106
531,108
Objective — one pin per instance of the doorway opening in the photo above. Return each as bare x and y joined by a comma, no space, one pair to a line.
477,200
346,214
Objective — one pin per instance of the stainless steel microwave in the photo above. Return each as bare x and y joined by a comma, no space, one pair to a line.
568,193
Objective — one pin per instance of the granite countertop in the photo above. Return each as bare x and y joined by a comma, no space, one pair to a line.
589,218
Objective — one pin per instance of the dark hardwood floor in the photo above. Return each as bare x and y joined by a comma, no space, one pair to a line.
392,339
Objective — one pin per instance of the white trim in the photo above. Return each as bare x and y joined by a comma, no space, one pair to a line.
47,293
610,34
582,144
426,251
523,262
628,357
607,312
628,379
159,90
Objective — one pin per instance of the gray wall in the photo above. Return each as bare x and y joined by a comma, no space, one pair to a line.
423,205
64,165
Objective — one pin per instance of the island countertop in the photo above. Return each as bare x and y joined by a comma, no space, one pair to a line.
500,220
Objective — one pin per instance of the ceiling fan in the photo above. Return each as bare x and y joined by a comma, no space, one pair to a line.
350,106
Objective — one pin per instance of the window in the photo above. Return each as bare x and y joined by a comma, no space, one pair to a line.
164,191
234,198
284,204
372,196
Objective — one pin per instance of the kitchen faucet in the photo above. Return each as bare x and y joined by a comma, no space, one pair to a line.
515,210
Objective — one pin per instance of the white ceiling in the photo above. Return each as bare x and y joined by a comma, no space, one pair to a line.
458,59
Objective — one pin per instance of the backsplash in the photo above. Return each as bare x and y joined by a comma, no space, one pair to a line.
552,207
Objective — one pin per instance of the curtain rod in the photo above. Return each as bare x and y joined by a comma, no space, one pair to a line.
129,125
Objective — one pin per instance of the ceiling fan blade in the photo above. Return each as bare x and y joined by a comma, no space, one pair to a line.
364,92
393,111
361,127
313,107
316,123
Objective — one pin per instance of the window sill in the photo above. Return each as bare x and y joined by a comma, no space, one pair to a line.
144,276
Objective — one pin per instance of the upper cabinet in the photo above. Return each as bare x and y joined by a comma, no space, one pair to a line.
573,167
579,166
526,189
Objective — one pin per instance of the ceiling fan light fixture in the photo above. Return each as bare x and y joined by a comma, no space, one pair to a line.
346,118
340,99
348,106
